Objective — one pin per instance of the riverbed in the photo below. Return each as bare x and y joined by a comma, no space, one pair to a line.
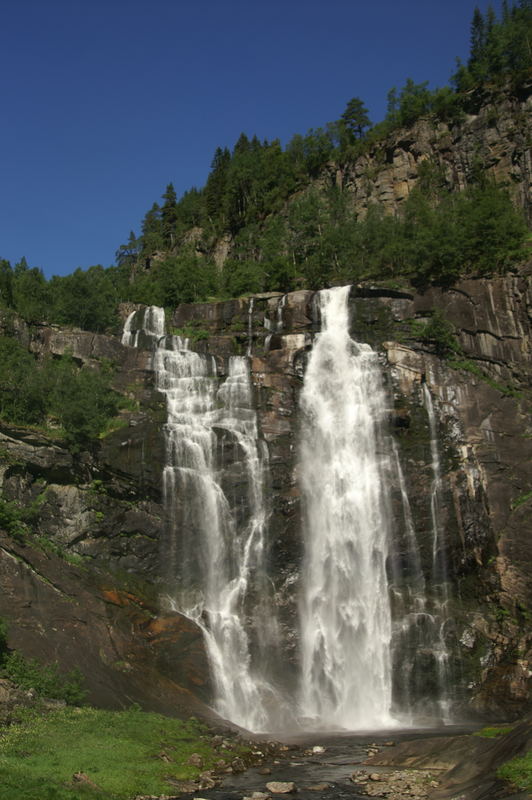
332,766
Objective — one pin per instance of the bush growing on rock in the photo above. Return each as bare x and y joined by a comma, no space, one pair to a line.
79,400
46,681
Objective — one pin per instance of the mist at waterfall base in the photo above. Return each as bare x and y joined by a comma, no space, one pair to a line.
358,616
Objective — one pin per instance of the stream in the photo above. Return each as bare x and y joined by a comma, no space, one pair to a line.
322,766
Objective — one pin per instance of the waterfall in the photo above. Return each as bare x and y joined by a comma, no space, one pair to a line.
346,626
250,326
151,322
439,568
279,314
373,610
214,545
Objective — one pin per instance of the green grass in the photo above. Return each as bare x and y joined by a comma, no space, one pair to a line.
493,733
124,753
518,771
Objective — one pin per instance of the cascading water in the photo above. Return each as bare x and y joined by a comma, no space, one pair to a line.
439,571
215,552
373,608
346,625
250,326
151,320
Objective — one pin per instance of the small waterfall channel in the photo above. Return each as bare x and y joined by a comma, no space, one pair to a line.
440,569
213,487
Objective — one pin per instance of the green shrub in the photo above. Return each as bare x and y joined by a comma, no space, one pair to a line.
191,332
12,519
79,400
440,333
47,681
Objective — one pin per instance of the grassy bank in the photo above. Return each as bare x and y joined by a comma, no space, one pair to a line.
122,754
518,772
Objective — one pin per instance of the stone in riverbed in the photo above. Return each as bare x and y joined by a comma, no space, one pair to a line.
318,787
257,796
281,787
207,781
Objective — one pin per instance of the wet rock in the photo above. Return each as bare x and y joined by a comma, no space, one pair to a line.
318,787
264,771
185,786
238,765
207,780
281,787
257,796
318,749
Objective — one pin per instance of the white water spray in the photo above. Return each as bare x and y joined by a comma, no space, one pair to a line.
151,321
214,544
345,610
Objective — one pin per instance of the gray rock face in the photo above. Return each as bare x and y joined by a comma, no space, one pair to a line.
496,136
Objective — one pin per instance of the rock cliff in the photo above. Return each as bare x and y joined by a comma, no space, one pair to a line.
104,511
494,136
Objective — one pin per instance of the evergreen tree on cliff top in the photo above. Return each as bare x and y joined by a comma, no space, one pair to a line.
355,118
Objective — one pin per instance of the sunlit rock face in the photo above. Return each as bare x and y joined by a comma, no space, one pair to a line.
453,450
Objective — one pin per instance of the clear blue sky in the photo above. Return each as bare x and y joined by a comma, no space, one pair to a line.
104,103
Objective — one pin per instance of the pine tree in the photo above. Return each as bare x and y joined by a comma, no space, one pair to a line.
217,183
478,39
169,215
355,118
152,232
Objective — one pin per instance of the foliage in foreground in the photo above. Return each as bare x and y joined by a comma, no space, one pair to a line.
518,771
47,681
124,753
